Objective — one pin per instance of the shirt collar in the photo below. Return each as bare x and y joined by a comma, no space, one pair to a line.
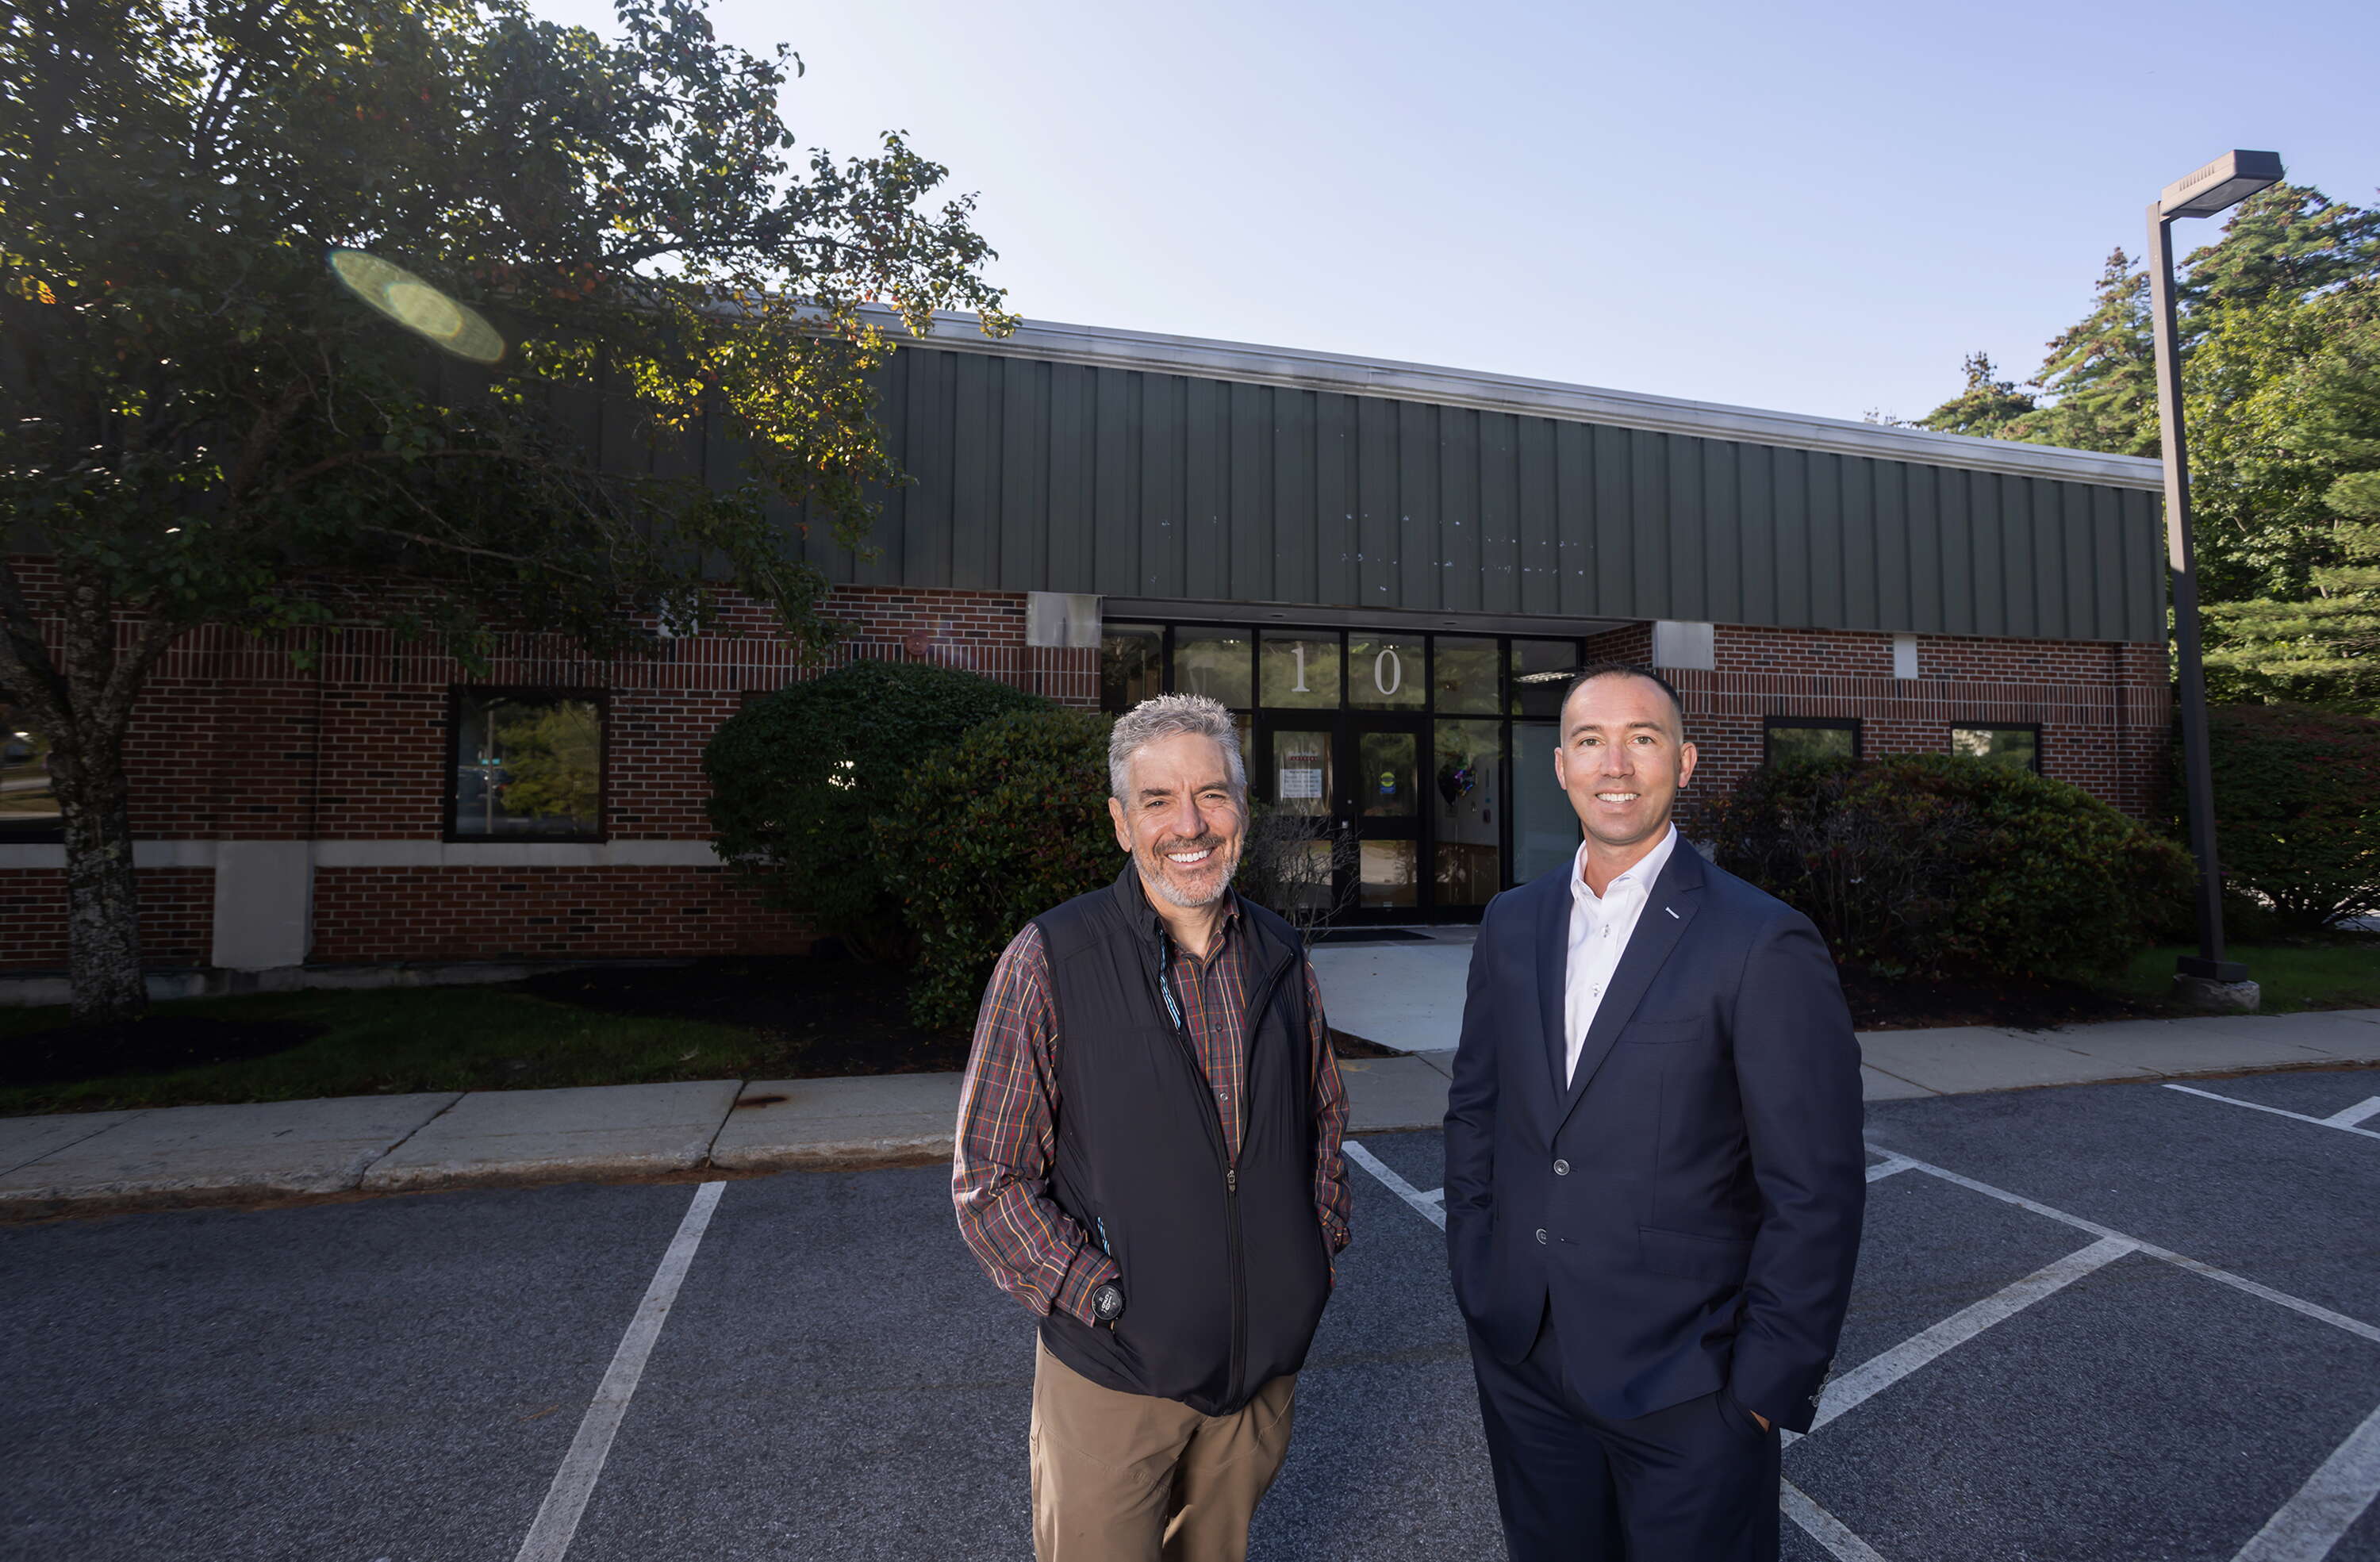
1645,871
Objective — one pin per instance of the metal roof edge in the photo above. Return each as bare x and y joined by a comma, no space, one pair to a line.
1107,347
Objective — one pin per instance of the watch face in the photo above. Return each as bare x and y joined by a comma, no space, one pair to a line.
1107,1301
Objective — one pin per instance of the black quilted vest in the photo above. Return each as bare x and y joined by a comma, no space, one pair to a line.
1225,1267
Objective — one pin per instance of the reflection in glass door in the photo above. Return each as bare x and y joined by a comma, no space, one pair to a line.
1300,773
1385,808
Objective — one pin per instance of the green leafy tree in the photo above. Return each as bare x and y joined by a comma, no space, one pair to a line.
553,759
204,424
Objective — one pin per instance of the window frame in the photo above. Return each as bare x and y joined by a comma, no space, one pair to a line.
600,699
2034,727
1772,722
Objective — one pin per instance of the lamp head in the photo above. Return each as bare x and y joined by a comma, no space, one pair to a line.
2223,183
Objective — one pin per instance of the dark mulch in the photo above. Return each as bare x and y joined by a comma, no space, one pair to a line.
156,1044
1345,1046
828,1017
1885,1004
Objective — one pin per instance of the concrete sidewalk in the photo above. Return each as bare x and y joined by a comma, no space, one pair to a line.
100,1162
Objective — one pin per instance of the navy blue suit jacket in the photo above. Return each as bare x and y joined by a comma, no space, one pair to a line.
1689,1205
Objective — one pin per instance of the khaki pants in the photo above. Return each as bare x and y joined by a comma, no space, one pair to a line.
1134,1477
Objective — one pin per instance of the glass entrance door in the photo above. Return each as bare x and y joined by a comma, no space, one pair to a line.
1384,759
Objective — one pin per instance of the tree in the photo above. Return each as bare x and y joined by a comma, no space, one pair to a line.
1987,409
2322,646
203,424
2099,380
2275,321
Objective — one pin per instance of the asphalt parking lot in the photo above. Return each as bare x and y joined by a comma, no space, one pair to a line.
2129,1321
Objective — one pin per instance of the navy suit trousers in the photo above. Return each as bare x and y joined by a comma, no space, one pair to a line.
1694,1482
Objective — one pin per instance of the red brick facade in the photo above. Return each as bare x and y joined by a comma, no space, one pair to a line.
236,742
233,740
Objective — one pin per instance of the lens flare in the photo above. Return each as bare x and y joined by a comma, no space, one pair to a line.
417,305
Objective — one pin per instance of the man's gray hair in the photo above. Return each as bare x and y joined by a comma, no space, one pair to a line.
1171,716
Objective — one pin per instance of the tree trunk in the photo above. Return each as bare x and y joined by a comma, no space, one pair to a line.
103,904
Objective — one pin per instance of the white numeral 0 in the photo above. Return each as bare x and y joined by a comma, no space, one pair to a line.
1394,679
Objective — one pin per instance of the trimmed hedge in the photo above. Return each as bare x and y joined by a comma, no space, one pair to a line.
985,836
1923,865
2297,812
795,778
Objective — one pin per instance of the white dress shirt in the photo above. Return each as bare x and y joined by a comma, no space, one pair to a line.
1599,930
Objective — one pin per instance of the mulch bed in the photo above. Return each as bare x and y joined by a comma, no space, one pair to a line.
1880,1003
825,1016
156,1044
828,1016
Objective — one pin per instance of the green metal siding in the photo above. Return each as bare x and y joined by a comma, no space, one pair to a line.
1033,475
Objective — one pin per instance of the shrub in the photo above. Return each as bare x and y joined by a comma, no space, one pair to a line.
986,836
795,777
1925,864
2297,811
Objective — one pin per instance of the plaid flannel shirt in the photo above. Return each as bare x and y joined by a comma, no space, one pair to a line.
1008,1106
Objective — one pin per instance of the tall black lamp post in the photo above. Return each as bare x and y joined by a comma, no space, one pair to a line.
2223,183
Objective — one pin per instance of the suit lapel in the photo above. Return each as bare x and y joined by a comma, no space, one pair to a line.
1676,896
1553,963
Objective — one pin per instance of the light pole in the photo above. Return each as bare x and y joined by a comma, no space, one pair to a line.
2223,183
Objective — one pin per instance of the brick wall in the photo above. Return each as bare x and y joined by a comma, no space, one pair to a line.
177,914
367,915
234,740
2104,709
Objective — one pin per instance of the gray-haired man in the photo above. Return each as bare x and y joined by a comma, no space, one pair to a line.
1149,1159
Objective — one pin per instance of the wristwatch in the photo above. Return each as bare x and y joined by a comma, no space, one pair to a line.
1107,1301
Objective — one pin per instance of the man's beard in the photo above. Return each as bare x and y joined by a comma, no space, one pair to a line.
1154,870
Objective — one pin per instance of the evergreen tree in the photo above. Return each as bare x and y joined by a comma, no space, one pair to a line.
2321,645
2277,320
1987,409
2099,380
2285,242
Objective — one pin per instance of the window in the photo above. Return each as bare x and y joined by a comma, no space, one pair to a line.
1213,662
28,807
1385,672
2020,746
1131,664
1811,737
1301,671
1541,674
527,765
1464,680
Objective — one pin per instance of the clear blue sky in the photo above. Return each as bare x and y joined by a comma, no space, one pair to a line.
1818,208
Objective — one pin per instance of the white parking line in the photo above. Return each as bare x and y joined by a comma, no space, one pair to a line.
2344,1121
557,1517
1822,1526
2356,1327
1874,1376
1432,1206
2326,1506
1886,1168
2349,1117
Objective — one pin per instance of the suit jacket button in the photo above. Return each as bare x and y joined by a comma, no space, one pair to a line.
1561,1168
1541,1234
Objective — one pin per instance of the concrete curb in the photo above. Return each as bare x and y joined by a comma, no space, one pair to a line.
184,1157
